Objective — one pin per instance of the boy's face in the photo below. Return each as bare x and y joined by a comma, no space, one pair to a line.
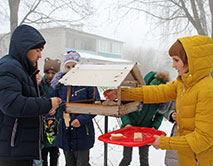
34,55
49,75
69,66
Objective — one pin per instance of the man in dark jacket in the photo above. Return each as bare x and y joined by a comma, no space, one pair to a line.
21,106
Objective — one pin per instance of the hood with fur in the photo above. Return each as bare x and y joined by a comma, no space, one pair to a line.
156,78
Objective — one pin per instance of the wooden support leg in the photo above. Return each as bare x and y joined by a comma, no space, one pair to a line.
105,144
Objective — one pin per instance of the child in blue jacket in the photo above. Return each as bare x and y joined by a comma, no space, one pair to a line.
79,137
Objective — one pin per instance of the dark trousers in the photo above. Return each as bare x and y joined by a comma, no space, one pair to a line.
54,154
16,162
78,158
127,156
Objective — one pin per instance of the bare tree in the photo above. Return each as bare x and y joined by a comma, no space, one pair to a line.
14,6
176,15
46,12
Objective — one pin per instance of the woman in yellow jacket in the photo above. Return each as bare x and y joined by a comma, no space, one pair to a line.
193,90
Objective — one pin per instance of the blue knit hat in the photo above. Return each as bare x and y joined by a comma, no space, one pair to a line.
72,56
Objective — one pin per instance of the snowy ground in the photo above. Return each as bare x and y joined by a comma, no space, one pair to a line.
156,157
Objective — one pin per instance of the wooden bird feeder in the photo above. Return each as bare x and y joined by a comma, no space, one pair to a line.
103,75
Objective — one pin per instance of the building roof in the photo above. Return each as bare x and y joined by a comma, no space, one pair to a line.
92,58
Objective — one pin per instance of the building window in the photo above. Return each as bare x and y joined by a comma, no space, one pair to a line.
116,48
109,47
104,46
81,44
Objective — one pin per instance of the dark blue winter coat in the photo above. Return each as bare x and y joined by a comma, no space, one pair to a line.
72,138
20,106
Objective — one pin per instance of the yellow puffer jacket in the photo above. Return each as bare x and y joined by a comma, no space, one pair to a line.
194,104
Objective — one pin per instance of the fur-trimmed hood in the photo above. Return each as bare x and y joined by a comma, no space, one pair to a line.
162,76
156,78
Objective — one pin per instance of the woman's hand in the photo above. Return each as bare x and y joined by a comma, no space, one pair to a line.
128,125
111,94
156,143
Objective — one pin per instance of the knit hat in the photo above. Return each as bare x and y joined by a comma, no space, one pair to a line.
72,56
50,64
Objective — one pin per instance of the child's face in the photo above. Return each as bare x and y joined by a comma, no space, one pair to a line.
69,66
49,75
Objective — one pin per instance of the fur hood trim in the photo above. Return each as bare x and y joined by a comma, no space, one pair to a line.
162,76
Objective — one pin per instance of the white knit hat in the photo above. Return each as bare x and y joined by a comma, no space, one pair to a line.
72,56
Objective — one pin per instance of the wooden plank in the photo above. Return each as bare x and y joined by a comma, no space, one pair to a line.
131,83
94,93
66,116
137,75
130,107
93,109
68,93
119,96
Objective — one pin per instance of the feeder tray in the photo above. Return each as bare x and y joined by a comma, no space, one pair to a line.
102,75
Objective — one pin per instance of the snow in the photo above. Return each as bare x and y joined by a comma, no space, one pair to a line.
156,157
88,57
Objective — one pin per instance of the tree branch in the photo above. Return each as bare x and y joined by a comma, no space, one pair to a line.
211,11
33,8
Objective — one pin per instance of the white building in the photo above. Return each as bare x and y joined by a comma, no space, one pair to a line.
62,39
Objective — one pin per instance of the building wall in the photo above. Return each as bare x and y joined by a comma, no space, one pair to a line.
55,45
61,39
80,41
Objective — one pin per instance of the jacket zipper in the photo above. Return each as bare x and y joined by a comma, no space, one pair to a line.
76,92
40,126
146,113
196,159
87,129
184,89
12,142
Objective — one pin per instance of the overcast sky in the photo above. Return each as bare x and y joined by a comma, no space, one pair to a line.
132,29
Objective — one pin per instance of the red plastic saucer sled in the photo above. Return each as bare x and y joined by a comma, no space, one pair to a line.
128,136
